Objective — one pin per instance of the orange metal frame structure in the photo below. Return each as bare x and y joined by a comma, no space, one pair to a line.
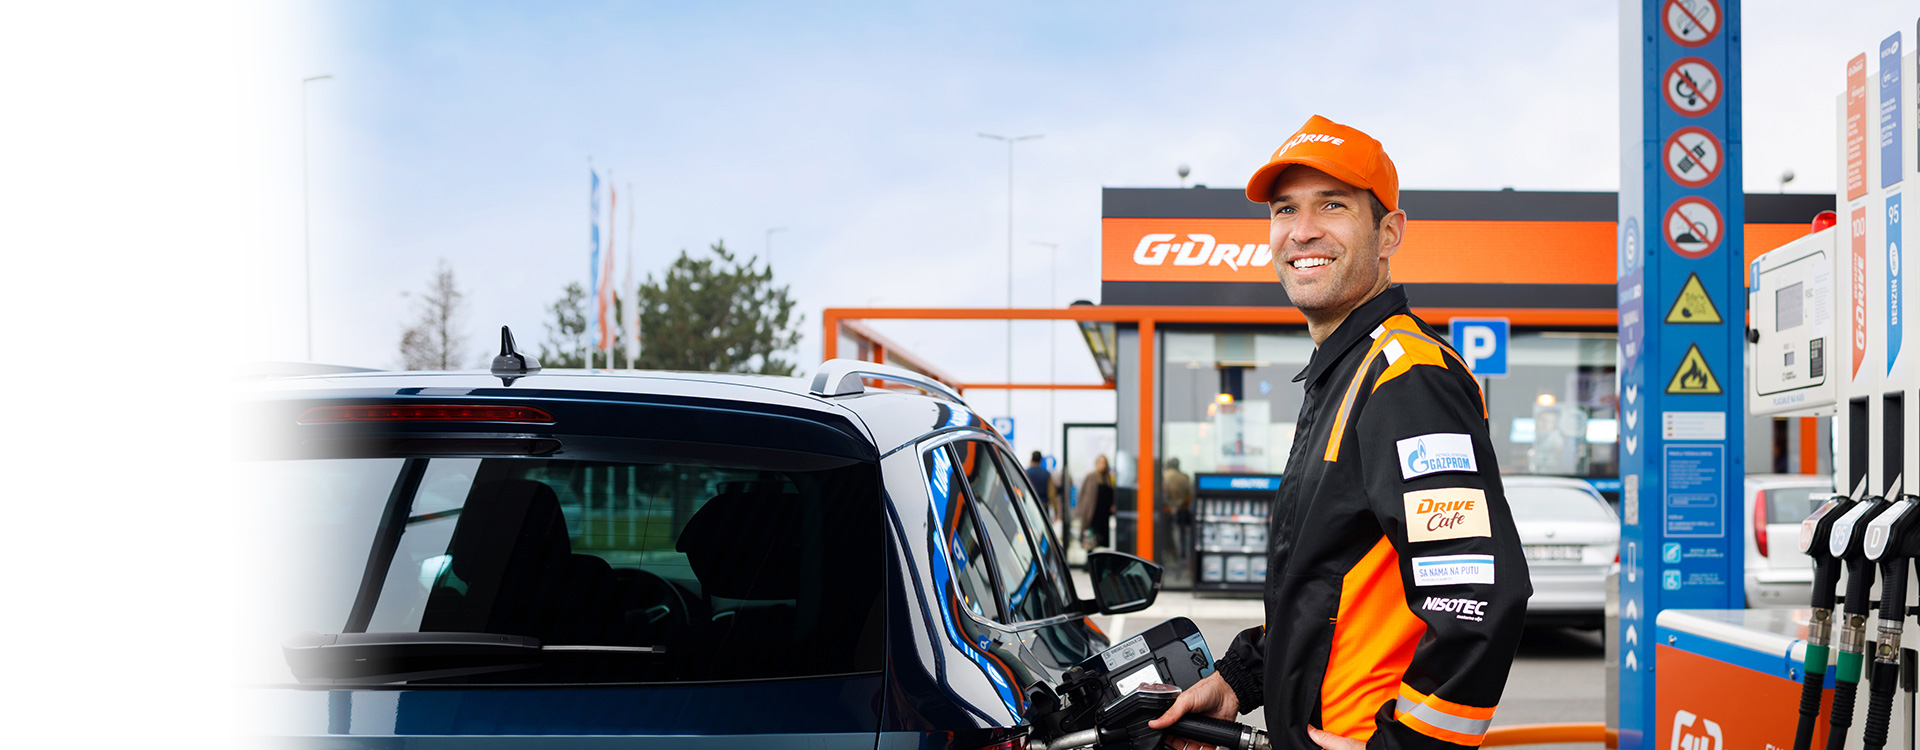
1147,317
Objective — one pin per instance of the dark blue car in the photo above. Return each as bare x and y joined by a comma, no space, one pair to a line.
577,559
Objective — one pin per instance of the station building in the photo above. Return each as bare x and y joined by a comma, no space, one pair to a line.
1545,261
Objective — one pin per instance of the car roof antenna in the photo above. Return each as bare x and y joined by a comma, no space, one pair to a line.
512,365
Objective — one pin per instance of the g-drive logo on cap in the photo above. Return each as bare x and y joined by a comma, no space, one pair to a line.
1299,138
1348,155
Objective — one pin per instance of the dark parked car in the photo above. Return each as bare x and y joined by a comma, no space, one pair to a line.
591,559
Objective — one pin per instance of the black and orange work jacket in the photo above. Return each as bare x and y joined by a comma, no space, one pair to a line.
1395,587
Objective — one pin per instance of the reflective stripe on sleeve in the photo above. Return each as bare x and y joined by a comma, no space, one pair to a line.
1442,719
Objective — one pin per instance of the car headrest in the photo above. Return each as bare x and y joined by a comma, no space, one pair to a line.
746,544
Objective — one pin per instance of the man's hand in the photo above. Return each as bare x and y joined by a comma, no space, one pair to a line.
1210,697
1332,741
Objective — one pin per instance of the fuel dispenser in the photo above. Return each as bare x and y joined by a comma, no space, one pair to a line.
1825,337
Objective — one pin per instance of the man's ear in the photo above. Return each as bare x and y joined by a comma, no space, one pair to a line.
1393,228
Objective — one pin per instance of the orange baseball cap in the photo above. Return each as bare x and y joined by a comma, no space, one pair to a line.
1349,155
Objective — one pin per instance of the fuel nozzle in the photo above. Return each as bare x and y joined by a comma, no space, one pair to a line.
1815,533
1848,542
1890,543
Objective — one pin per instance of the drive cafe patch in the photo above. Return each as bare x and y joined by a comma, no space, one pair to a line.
1446,513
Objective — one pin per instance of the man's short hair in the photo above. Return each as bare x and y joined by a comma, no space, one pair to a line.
1174,463
1379,209
1036,457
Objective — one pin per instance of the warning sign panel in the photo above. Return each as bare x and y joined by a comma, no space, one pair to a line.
1692,23
1693,157
1693,227
1693,377
1692,86
1693,305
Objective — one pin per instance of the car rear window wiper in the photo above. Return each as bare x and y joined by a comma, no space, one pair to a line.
398,657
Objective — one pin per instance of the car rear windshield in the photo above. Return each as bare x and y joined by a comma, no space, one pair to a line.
1794,504
605,566
1556,504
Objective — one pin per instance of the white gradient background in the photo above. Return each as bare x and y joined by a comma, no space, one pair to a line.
151,230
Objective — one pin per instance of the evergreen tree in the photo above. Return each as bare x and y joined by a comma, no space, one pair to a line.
716,314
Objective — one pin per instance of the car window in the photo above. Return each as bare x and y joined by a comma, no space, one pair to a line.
678,568
1556,504
968,554
1793,504
1052,558
1030,594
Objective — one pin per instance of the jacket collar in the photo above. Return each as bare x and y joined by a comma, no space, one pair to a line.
1356,328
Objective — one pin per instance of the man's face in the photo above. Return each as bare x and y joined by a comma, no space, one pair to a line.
1326,247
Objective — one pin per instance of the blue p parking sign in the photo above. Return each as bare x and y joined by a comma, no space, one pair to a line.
1482,342
1004,426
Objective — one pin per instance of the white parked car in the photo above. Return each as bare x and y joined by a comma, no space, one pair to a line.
1571,538
1777,574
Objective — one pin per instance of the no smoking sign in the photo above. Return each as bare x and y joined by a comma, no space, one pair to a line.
1692,86
1693,156
1693,227
1691,23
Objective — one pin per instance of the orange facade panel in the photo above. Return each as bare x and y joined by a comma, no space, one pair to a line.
1434,252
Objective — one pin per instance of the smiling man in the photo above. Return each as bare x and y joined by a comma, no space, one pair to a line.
1396,590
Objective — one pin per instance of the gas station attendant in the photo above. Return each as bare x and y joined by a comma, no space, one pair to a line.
1396,589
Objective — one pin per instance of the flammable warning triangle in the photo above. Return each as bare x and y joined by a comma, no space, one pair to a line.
1693,377
1693,305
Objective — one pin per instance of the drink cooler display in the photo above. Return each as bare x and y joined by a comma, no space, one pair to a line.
1228,537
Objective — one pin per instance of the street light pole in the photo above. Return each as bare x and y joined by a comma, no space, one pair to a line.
1010,142
306,221
770,232
1053,293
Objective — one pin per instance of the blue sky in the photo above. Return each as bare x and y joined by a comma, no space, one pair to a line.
462,131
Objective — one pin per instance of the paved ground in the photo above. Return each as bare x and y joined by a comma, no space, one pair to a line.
1557,676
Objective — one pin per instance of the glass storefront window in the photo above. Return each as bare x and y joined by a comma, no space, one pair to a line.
1554,413
1228,400
1229,403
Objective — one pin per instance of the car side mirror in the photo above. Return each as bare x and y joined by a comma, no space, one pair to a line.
1122,583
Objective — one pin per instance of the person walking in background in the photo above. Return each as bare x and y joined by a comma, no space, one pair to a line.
1042,481
1096,505
1177,489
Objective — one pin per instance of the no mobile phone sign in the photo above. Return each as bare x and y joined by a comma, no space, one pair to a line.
1693,156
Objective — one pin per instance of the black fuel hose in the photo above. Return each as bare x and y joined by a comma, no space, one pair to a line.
1886,652
1813,670
1218,732
1815,542
1853,637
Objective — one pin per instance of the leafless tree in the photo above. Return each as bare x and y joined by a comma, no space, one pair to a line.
437,339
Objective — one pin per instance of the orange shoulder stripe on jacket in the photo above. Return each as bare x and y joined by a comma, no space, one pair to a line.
1448,351
1415,348
1353,390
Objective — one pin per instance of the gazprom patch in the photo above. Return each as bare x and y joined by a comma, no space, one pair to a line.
1437,452
1445,570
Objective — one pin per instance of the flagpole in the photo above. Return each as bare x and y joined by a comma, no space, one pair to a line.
606,266
633,305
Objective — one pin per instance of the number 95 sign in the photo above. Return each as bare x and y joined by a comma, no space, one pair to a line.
1482,342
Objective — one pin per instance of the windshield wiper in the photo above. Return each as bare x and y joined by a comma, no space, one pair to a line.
363,658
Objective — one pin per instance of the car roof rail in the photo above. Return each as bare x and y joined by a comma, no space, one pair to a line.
843,377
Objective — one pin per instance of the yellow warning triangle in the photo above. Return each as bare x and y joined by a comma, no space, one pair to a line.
1693,305
1693,377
